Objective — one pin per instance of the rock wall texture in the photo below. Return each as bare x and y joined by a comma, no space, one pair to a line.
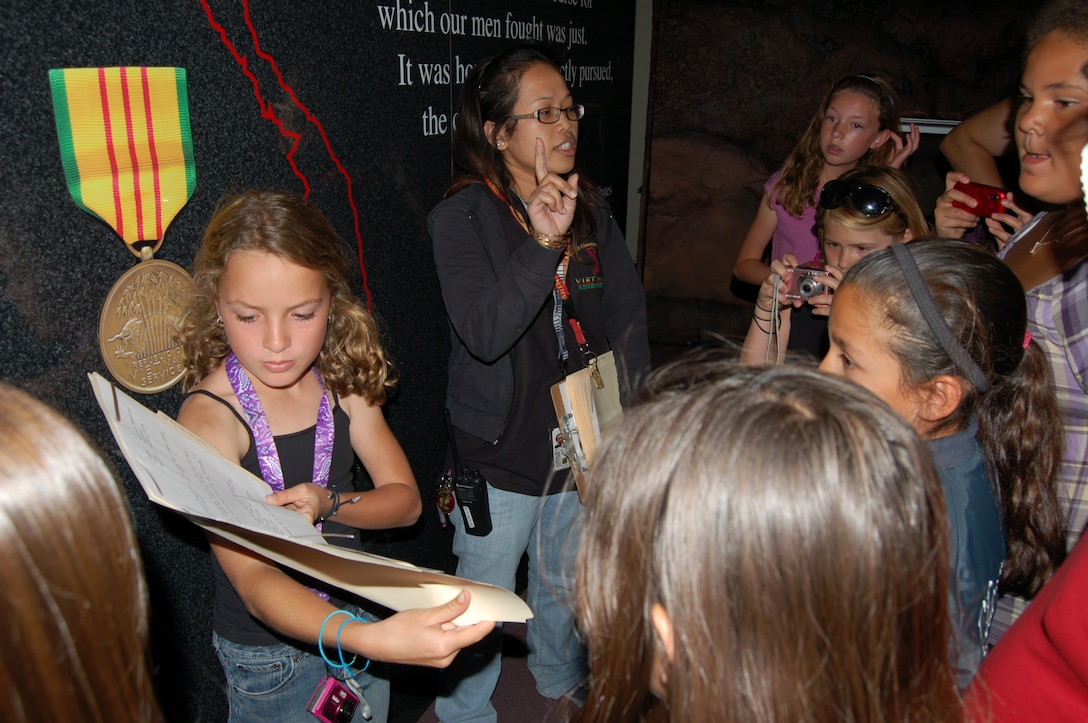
734,84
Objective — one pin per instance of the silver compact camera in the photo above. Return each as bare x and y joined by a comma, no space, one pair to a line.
805,282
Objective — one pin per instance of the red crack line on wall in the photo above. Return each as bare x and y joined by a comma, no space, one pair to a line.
268,113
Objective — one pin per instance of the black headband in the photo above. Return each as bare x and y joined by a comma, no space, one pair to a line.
924,299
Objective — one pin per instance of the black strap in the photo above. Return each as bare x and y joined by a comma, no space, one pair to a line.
924,299
222,401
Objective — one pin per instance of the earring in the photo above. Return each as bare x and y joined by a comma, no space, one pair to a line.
500,144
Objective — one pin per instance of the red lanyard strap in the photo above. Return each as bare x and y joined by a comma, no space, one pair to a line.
568,305
563,292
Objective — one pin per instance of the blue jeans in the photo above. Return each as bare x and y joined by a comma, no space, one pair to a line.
273,683
548,528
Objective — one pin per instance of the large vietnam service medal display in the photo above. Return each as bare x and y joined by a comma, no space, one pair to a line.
127,151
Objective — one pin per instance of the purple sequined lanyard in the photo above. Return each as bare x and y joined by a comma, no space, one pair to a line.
267,455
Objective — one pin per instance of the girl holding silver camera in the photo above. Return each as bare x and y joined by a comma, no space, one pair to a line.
855,126
865,210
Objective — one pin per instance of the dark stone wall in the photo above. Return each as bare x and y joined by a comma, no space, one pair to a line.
735,83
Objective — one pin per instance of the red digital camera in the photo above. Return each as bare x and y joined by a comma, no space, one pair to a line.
989,199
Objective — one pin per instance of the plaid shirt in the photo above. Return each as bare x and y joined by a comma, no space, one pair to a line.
1058,321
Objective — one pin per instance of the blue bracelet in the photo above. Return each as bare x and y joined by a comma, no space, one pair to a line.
321,636
340,650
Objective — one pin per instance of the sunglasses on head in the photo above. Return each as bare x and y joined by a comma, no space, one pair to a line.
868,201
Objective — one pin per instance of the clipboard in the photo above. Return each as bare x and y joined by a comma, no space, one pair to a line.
584,410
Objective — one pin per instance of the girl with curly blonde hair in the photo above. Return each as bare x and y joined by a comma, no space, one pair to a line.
287,377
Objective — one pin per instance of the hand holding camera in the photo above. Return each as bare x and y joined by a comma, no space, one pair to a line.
963,203
793,284
1010,220
812,284
807,281
987,198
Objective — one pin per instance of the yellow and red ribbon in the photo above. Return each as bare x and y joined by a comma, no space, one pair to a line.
126,145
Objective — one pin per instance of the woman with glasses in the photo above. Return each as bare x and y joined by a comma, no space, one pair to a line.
536,280
865,210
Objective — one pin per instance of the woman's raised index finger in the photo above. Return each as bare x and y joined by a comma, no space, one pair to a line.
541,161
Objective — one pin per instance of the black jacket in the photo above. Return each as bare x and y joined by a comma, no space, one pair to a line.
492,295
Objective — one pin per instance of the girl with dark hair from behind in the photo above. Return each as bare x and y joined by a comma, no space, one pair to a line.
938,330
764,545
73,616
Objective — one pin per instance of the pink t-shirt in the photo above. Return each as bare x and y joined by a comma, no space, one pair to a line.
793,235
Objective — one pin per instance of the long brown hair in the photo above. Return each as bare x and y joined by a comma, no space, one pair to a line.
73,616
289,227
489,93
1020,426
794,529
800,175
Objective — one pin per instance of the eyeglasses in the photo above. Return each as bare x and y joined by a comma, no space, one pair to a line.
552,115
869,201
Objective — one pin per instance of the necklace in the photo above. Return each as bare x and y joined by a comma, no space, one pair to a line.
1057,240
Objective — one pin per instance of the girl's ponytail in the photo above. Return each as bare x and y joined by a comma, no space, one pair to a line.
1006,386
1021,433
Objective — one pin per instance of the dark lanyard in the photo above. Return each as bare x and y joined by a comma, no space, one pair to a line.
567,303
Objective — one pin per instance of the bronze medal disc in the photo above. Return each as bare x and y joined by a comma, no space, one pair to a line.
139,325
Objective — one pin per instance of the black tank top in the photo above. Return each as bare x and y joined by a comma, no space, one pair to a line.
230,618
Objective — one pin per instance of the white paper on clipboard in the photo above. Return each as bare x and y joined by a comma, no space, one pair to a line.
583,410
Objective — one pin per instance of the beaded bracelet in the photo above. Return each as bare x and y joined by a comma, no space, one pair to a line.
552,241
